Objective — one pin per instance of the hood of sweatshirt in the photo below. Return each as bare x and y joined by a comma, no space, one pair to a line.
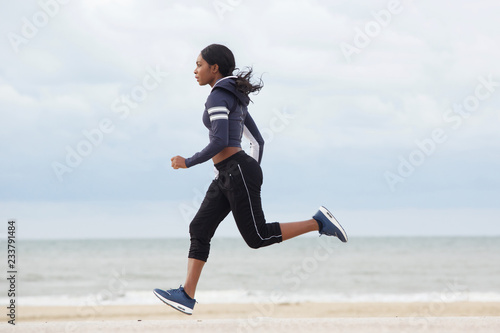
229,83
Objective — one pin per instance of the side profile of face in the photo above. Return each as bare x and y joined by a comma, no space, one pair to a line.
205,73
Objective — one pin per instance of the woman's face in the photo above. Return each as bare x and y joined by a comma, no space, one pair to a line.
204,73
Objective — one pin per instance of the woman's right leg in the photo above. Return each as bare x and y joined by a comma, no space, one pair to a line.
214,208
195,266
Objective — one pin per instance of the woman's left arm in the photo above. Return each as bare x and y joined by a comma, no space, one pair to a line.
218,112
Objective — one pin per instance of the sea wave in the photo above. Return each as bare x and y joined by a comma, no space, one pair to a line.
249,297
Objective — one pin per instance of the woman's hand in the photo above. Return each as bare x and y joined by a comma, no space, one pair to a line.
178,162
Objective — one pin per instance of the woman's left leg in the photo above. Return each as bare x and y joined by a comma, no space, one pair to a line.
245,200
294,229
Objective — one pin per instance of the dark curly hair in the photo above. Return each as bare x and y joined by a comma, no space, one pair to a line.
224,58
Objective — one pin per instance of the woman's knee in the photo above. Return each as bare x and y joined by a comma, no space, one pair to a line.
254,242
261,237
254,245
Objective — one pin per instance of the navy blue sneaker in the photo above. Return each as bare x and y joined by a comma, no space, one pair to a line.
176,298
328,225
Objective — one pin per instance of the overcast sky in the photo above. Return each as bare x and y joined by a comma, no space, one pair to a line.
386,112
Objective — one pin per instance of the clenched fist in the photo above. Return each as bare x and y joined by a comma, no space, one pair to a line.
178,162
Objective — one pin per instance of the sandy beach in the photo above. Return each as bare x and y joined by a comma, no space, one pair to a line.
300,317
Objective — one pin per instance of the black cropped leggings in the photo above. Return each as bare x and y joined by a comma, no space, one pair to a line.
237,190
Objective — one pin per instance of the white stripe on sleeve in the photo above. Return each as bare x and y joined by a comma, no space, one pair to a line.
218,116
218,109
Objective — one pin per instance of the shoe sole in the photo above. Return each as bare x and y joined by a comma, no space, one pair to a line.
336,223
175,305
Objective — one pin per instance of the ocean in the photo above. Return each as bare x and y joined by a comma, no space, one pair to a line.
304,269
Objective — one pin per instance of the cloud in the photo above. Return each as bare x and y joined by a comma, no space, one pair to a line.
348,121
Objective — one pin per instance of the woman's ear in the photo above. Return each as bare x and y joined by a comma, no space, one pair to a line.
215,68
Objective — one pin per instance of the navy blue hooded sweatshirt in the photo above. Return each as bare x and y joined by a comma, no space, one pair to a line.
227,119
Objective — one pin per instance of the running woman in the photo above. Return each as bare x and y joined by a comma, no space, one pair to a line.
236,188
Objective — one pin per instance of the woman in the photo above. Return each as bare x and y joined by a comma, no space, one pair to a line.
237,186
